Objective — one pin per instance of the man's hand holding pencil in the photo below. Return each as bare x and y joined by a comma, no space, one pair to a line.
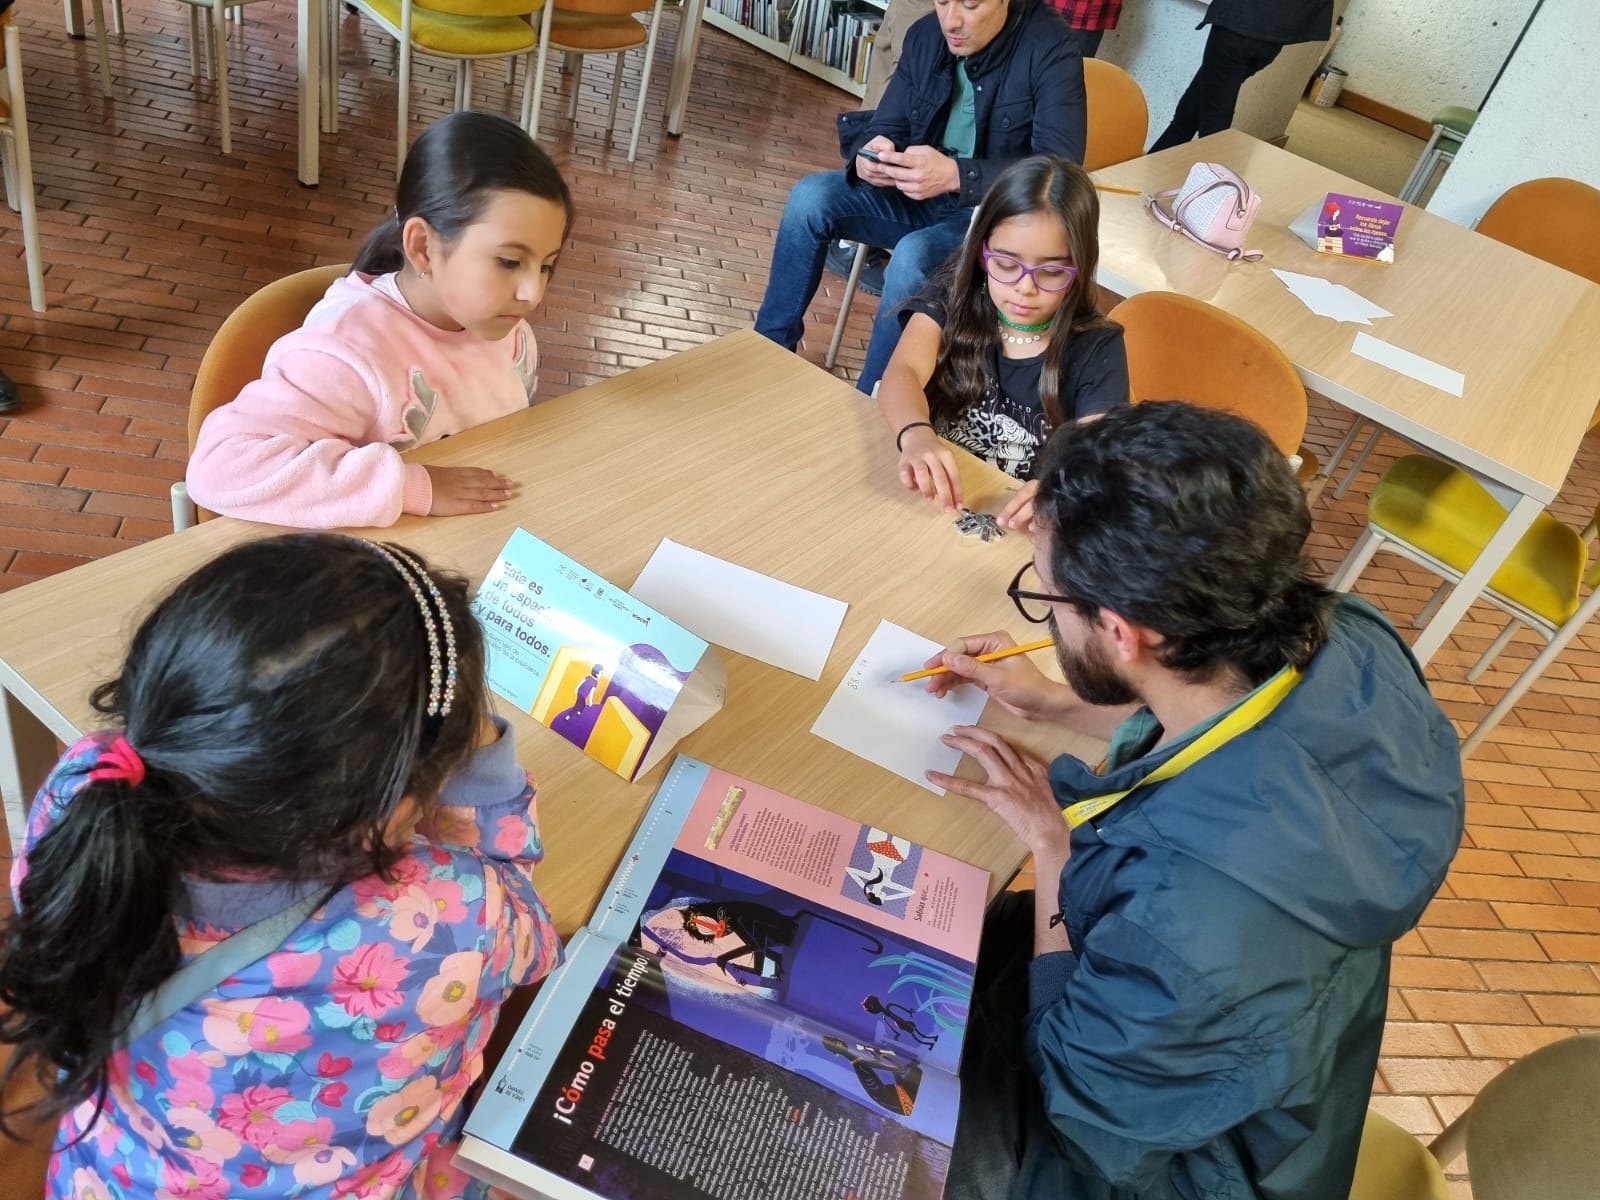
1011,680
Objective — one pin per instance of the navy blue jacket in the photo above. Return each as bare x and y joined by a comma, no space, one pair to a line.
1282,22
1214,1031
1027,91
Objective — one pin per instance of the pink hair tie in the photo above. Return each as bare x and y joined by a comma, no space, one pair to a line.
119,762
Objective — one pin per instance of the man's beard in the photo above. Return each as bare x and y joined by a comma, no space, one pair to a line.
1090,675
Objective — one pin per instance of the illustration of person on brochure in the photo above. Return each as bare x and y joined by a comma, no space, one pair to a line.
899,1021
887,1081
737,945
875,877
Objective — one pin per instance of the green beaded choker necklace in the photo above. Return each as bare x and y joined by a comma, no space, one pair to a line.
1023,328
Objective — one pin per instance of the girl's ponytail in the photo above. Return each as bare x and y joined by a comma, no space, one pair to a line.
382,252
93,931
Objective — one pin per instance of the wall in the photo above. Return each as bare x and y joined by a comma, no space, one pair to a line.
1157,43
1544,118
1420,55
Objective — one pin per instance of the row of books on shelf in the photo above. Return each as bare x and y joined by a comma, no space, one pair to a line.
839,33
770,18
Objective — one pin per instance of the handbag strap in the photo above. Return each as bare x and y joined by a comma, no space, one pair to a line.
203,973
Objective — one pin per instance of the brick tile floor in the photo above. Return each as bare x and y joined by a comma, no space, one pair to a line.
151,237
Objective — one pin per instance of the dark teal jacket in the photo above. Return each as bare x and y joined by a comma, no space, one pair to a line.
1028,96
1214,1031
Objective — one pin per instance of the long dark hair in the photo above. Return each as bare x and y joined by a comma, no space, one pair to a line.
451,172
1187,521
971,330
278,699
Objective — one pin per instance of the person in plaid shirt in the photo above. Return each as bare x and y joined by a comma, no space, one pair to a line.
1089,20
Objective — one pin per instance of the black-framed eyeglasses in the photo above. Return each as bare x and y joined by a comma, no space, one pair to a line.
1018,595
1047,277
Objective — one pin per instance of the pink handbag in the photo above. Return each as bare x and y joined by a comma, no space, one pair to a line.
1214,207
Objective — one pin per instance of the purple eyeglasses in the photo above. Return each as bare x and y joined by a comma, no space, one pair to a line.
1047,277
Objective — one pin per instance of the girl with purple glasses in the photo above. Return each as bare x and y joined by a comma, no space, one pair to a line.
1007,343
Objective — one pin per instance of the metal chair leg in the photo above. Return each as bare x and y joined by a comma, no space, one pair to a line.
644,81
845,303
1356,561
577,85
21,164
1355,467
100,47
1412,188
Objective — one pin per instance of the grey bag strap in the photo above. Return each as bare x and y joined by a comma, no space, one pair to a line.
203,973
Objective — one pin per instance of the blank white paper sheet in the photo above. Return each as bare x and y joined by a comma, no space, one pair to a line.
1424,370
897,725
743,610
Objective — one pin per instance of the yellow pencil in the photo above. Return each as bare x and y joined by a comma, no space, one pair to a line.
1121,191
992,656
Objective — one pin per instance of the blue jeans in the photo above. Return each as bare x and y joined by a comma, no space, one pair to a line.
827,206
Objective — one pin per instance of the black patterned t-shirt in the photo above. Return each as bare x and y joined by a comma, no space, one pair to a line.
1007,425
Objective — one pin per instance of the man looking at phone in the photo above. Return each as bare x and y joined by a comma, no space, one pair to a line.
1193,1005
979,84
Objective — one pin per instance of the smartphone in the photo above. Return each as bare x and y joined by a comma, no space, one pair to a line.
869,154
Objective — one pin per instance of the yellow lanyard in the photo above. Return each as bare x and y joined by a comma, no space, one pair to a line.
1250,712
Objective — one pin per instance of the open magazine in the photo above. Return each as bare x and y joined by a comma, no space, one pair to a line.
770,1002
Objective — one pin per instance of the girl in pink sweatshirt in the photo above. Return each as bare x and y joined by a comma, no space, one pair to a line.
427,336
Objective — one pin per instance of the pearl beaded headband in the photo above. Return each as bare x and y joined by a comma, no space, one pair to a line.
441,667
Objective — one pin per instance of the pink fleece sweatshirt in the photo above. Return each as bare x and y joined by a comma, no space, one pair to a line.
316,441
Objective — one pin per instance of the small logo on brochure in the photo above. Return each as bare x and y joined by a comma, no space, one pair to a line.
585,1162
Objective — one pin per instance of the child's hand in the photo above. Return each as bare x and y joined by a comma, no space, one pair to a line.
458,490
927,466
1018,512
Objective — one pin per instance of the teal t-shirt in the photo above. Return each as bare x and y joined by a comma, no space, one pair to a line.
961,126
1137,735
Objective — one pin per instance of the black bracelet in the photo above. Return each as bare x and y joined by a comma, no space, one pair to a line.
900,437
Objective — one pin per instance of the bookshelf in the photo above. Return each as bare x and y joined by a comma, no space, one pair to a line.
831,39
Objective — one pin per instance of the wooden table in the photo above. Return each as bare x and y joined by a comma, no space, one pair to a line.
737,448
1522,331
317,74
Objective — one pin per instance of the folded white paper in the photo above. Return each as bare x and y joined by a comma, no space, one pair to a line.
897,725
740,609
1424,369
1329,299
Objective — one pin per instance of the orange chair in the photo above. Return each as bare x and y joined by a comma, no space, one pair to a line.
1119,118
237,351
1180,348
580,28
1555,219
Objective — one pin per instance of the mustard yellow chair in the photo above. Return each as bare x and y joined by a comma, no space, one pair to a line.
1180,348
1555,219
1119,119
237,352
580,28
1533,1132
1441,517
466,31
1393,1165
